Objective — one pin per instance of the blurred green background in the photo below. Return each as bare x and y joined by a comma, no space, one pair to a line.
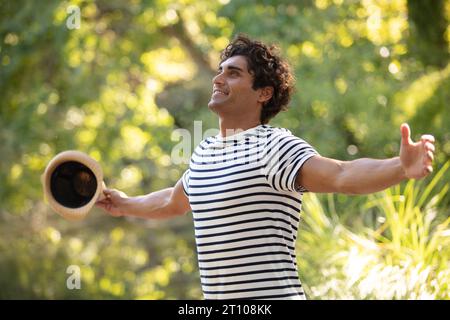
117,87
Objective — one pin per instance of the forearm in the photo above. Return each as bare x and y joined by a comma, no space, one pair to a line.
363,176
151,206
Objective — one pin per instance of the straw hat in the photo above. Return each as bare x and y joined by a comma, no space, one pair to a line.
72,183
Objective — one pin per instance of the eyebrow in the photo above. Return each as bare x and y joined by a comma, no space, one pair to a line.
231,67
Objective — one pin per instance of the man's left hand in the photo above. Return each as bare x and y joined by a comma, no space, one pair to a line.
416,157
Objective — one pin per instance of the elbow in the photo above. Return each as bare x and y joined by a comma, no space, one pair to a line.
172,210
173,207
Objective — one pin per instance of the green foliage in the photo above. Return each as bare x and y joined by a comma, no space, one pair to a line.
118,86
120,261
428,39
404,255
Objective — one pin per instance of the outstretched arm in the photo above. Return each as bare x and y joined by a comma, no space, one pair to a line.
362,176
163,204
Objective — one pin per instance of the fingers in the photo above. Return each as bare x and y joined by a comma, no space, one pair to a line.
428,170
427,137
105,205
104,201
107,192
429,149
429,146
112,197
406,134
112,202
420,151
100,204
114,194
429,157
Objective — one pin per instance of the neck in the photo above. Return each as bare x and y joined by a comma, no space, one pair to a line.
229,127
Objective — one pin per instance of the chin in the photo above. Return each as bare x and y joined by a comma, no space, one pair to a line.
214,106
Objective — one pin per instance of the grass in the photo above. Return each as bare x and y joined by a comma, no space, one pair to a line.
403,255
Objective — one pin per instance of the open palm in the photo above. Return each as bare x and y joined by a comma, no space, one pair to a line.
416,157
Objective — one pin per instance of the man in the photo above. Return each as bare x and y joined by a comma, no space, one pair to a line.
245,185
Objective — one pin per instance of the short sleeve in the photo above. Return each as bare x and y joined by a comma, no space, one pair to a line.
286,154
185,181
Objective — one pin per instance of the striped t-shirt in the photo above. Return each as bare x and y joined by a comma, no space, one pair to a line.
246,206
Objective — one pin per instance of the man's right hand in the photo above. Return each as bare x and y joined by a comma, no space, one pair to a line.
114,202
162,204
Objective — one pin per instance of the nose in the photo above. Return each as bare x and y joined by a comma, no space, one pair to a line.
218,78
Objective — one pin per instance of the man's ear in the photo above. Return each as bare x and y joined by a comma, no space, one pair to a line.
265,94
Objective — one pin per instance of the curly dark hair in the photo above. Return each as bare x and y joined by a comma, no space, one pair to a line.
268,70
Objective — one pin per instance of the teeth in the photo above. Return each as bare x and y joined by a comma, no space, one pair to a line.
218,91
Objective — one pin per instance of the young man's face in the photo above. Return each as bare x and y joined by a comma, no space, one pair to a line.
233,95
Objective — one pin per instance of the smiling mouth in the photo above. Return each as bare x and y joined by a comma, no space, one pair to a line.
217,91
